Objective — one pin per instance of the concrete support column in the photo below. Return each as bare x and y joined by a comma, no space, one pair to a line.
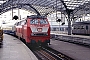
69,24
18,14
12,9
12,13
19,7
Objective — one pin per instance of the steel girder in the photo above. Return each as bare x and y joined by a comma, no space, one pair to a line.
9,5
44,6
37,6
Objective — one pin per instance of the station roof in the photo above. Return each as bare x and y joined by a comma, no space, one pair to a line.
44,7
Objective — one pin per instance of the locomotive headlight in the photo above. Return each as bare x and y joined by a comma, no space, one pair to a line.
39,29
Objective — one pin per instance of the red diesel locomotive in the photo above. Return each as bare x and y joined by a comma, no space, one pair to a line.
35,29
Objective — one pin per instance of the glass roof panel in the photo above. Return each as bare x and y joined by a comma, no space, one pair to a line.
72,4
47,6
2,1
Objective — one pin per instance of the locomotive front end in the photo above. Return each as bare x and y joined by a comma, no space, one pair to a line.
40,30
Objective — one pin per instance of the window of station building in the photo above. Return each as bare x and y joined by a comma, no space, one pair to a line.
54,29
61,29
67,29
34,21
43,21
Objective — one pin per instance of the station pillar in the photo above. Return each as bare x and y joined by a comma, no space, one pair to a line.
69,24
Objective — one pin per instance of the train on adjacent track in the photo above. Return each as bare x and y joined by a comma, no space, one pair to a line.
81,28
33,30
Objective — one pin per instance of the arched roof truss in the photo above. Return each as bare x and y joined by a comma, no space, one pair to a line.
44,7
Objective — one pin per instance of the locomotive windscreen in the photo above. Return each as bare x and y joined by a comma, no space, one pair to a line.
43,21
36,21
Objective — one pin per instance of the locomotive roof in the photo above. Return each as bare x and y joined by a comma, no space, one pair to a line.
36,16
84,22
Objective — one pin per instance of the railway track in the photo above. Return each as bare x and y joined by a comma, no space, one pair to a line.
44,55
47,53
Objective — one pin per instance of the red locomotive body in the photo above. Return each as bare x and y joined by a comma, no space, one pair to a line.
34,29
19,30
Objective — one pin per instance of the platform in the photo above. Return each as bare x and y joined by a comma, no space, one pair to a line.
80,39
74,51
65,34
14,49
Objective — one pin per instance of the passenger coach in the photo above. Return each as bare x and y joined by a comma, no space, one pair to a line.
82,28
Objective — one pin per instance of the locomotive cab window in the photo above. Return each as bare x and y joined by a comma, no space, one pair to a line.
43,21
34,21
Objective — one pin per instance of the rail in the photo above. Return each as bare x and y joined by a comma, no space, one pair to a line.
47,53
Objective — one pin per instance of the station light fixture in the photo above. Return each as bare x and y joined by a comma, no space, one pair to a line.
58,20
15,17
63,23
